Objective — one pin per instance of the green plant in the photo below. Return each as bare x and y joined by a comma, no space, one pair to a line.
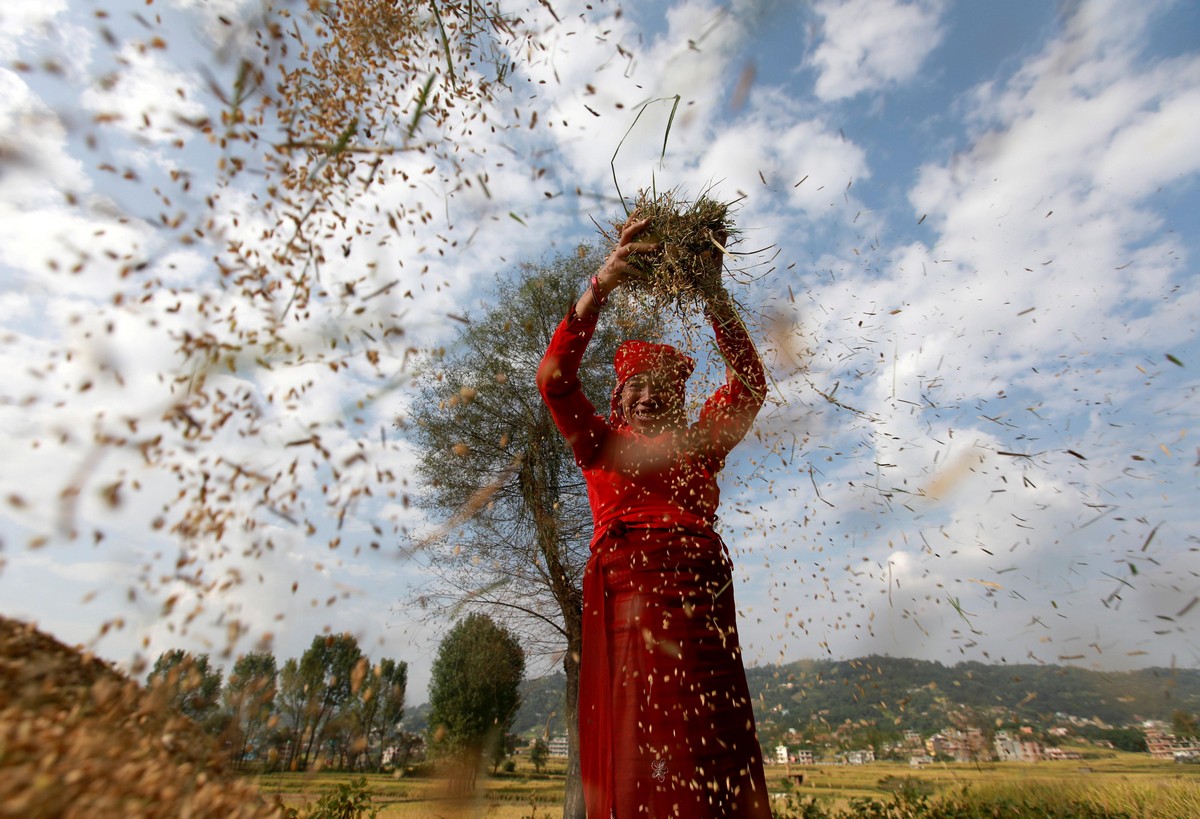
349,800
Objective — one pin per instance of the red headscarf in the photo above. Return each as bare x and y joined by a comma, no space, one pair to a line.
634,357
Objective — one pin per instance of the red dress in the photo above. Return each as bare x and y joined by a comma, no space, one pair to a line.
665,717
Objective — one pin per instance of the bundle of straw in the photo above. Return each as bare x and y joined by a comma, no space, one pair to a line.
693,236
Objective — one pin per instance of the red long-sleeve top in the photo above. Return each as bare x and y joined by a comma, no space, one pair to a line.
669,479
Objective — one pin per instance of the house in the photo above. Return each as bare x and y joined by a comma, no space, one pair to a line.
1058,753
783,756
1166,746
1015,749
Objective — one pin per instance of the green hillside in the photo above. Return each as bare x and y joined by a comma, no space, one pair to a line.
902,694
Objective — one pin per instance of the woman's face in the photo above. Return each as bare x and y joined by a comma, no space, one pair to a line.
651,403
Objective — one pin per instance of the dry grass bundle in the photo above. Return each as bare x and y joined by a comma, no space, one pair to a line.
686,270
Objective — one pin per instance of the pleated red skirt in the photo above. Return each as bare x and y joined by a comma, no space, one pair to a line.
666,723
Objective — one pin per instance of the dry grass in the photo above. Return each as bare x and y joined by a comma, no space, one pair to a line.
503,797
686,270
1135,783
1127,782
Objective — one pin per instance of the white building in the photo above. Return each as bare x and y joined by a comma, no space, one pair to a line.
783,756
559,747
1014,749
860,757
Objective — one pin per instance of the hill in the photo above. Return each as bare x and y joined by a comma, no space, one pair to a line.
926,696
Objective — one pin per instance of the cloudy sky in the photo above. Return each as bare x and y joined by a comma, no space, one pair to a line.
978,305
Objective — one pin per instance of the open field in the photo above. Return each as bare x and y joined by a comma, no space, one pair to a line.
1134,783
1131,782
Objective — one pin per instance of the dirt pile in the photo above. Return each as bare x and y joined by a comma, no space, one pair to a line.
79,739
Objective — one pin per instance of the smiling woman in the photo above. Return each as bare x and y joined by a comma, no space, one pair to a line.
665,718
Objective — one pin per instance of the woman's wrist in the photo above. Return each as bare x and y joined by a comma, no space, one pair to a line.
605,282
599,295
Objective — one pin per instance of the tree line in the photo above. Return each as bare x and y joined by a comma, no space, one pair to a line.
333,707
330,707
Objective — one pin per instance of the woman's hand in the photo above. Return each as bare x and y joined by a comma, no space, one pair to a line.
719,307
616,269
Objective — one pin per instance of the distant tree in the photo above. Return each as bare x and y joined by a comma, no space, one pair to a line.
290,705
191,685
498,469
539,753
1184,724
1123,739
403,746
249,698
501,751
340,745
474,693
315,690
380,707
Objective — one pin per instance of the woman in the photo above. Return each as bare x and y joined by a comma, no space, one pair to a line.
666,724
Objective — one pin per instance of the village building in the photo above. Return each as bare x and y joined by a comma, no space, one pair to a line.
1167,746
861,757
784,755
559,746
1017,749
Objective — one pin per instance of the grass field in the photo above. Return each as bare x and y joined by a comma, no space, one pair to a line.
1133,783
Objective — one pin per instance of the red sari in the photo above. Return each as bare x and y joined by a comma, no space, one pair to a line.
665,717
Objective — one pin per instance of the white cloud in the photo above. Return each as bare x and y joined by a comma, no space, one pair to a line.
871,44
146,96
35,166
24,19
1049,259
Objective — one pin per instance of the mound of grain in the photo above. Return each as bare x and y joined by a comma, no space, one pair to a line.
79,739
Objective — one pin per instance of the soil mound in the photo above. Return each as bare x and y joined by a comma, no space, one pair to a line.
80,739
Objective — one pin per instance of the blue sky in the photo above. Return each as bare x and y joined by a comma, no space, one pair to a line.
985,218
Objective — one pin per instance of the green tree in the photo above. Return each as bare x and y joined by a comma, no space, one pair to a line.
316,689
191,684
290,705
474,692
380,707
249,698
515,544
1184,724
539,753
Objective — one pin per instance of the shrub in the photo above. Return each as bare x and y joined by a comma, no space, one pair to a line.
349,800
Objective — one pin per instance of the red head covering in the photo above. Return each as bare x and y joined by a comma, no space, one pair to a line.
634,357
